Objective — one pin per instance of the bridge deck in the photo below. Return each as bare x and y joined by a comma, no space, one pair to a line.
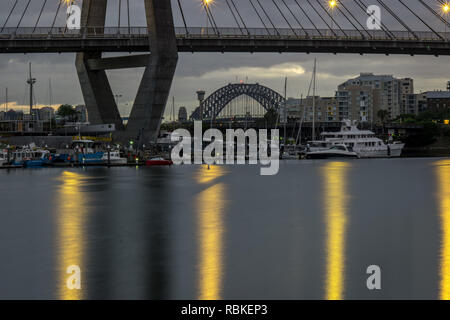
135,39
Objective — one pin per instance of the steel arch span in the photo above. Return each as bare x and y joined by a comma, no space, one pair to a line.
218,100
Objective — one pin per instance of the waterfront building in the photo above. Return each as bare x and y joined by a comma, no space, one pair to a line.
407,95
362,97
14,115
438,100
410,102
326,109
293,109
46,113
422,102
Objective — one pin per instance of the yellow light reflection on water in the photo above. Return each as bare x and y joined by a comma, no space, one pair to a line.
443,173
210,206
71,211
335,198
207,175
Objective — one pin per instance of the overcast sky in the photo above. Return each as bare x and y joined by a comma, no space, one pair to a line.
210,71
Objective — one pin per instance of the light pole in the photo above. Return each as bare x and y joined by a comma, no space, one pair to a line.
445,10
331,5
206,4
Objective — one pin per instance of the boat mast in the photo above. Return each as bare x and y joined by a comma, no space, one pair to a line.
50,100
314,103
302,117
173,108
285,111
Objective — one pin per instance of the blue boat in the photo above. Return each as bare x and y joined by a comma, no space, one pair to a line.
83,152
90,158
31,157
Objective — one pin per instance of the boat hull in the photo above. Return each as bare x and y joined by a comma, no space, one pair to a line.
394,152
151,163
90,158
330,155
34,163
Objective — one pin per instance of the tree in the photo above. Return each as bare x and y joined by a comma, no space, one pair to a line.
271,117
67,112
383,115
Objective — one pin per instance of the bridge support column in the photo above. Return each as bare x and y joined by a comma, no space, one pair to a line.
97,93
148,109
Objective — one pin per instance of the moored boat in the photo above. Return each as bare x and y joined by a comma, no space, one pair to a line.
113,157
3,157
363,142
30,157
158,162
336,151
86,152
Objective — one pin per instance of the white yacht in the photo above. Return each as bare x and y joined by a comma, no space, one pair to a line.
336,151
363,142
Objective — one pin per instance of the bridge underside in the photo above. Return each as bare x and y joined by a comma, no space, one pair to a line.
148,108
43,44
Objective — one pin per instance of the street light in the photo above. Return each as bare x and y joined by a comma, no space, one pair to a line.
206,4
445,10
332,4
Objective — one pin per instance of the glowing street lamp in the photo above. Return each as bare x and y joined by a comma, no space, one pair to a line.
206,4
445,8
332,4
445,11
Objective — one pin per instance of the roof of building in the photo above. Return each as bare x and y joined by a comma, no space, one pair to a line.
438,95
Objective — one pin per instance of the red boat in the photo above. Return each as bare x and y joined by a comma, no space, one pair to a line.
158,162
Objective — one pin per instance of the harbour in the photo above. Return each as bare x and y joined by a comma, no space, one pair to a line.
194,233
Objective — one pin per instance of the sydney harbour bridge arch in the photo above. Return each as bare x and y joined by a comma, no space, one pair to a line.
221,98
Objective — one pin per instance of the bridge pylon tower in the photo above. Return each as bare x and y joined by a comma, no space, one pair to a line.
148,108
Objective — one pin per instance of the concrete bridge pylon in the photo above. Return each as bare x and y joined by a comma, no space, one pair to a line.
160,65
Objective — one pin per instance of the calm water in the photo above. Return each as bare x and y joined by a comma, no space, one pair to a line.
228,233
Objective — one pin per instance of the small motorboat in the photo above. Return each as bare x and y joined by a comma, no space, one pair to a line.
336,151
158,162
114,158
